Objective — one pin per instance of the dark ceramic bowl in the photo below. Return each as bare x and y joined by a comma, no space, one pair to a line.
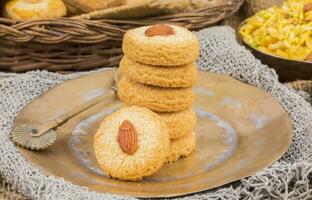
287,70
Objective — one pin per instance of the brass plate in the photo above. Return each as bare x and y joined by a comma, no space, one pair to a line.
241,129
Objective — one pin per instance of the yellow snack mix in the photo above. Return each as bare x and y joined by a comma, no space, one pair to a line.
284,31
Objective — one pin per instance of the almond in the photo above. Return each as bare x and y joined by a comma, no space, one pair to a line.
307,7
127,138
159,30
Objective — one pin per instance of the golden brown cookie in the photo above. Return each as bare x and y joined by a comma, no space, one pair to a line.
179,123
177,76
131,143
34,9
155,98
182,147
161,45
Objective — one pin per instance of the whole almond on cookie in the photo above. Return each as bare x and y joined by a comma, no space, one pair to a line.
127,138
159,30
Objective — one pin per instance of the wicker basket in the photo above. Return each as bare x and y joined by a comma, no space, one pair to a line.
69,44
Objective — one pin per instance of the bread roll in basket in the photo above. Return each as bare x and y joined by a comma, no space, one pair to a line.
34,9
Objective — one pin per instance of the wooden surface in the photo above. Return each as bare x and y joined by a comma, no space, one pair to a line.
241,129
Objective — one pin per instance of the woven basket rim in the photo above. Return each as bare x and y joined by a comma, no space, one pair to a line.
99,30
193,12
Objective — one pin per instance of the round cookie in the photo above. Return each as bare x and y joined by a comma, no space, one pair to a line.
155,98
34,9
131,143
179,123
182,147
176,76
161,45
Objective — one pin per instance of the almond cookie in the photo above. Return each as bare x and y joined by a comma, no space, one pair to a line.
179,123
161,45
131,143
182,147
155,98
177,76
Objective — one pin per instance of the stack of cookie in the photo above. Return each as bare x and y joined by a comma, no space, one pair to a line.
158,72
